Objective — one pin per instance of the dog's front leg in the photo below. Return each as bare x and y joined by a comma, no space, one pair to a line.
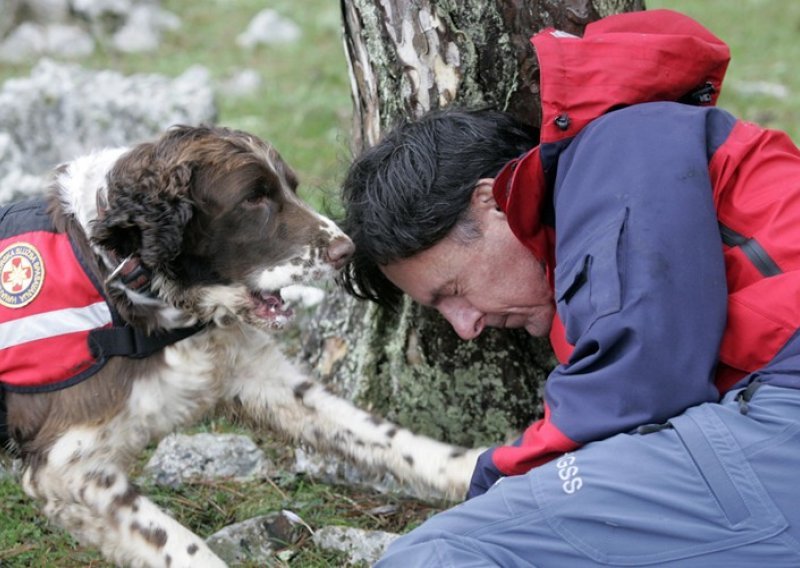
87,494
270,390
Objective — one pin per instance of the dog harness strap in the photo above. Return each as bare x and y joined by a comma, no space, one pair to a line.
129,342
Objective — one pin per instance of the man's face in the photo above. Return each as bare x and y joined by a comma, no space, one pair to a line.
487,281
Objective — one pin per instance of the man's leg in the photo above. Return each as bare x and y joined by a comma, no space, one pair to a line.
718,488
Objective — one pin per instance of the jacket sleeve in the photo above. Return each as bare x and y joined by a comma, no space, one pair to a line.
639,280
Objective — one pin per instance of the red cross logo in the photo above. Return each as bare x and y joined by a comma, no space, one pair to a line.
17,274
21,275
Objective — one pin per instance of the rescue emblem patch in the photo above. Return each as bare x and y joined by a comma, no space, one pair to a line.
21,275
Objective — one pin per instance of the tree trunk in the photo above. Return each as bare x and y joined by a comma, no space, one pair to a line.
407,57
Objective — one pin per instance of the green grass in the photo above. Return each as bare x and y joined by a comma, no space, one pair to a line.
304,108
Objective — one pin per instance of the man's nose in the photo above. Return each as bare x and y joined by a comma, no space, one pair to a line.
467,322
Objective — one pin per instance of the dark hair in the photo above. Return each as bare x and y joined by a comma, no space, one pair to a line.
413,187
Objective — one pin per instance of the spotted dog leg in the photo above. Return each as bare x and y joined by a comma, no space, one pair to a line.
93,499
285,399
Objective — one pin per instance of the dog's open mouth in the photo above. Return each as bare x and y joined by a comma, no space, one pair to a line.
270,306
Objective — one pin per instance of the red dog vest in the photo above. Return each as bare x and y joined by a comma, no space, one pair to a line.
57,326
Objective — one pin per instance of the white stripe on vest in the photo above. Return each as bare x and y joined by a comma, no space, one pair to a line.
53,324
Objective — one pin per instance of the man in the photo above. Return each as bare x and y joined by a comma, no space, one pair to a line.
665,238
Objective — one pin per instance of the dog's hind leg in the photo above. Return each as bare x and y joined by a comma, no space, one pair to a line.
273,391
86,493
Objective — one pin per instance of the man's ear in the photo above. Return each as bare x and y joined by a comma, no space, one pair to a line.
146,215
483,196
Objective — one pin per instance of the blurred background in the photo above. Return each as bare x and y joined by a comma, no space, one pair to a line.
275,68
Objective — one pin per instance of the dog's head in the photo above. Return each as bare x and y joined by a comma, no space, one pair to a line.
210,220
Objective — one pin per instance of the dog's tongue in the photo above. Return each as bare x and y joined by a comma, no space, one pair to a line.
272,306
273,301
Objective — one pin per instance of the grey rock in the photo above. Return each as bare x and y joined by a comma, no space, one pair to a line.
48,11
241,83
62,111
31,40
26,42
15,184
362,546
268,27
114,12
143,29
181,459
69,28
68,41
256,540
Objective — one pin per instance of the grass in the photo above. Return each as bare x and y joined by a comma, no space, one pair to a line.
303,107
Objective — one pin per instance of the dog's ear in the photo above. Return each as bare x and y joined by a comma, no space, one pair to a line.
147,211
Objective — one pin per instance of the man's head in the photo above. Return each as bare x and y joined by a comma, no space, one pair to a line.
411,189
420,209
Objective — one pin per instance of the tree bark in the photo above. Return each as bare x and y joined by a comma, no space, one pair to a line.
407,57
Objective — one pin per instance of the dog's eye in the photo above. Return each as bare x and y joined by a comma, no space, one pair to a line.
256,198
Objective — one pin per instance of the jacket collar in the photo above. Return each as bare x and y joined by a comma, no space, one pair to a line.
636,57
519,191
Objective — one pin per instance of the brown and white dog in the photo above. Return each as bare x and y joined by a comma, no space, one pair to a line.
197,231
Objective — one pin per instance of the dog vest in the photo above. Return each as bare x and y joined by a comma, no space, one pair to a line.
57,326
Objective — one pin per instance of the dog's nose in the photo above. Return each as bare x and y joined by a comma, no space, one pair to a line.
339,252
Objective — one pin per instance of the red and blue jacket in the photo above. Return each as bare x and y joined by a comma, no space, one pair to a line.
670,232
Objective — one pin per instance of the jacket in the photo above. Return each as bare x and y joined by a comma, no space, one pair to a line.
670,233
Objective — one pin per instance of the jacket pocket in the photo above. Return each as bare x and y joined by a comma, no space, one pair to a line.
589,282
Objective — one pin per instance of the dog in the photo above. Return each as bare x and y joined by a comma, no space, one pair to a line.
177,253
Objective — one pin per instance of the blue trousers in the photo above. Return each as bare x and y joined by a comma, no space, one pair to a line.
719,488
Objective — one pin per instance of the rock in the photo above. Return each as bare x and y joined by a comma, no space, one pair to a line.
256,540
24,43
766,88
268,27
14,184
361,546
33,40
241,83
68,28
62,111
98,10
180,459
48,11
143,28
